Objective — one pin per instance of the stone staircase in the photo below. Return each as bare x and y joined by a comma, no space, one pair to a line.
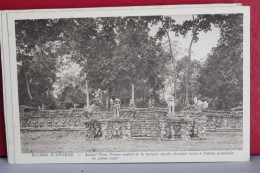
145,124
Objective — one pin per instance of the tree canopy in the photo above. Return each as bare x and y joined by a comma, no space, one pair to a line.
62,61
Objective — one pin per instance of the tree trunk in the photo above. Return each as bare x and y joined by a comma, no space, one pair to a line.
87,94
164,83
27,85
192,96
107,98
173,62
133,93
194,31
187,73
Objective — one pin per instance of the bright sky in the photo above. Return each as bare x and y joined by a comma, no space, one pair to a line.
201,48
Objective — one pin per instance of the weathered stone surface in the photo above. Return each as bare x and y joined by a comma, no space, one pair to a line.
134,123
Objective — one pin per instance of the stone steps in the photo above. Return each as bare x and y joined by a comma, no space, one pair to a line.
146,128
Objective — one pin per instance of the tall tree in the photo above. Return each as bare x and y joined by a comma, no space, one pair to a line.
37,42
167,25
222,74
79,36
138,57
194,73
195,25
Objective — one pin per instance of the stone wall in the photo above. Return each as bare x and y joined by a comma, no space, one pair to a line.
218,120
134,123
178,129
52,120
224,121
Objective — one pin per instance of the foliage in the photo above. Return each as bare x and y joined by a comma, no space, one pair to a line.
194,73
222,74
56,58
36,51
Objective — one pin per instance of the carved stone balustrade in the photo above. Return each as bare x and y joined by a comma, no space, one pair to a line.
134,123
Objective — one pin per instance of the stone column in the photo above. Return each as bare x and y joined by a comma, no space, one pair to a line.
104,125
162,125
128,128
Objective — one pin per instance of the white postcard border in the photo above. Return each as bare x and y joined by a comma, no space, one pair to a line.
239,155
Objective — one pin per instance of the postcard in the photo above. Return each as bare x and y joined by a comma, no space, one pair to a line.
127,84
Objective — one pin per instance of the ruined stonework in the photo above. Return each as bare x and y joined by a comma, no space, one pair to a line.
134,123
224,121
51,120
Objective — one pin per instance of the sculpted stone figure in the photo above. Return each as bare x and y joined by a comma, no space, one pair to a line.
201,131
111,101
98,95
117,107
131,104
171,106
151,103
205,105
93,129
202,105
195,100
116,129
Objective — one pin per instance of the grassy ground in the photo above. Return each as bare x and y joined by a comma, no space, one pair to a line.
75,141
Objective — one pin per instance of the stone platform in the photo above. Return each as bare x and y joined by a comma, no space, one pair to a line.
138,123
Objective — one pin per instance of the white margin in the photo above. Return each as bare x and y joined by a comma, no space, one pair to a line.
11,86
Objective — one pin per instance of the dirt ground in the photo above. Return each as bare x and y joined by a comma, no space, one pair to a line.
76,142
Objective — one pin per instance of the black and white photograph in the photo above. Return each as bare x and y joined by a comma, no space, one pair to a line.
126,84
